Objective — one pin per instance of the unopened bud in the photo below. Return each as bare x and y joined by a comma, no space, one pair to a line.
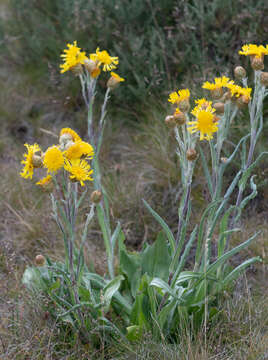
96,196
216,93
64,138
179,118
219,107
257,62
92,67
37,161
77,70
184,105
264,78
227,96
242,101
191,154
66,145
40,260
170,121
240,73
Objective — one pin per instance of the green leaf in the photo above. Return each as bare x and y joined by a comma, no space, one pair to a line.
156,258
164,226
111,288
233,275
185,254
130,266
134,333
141,312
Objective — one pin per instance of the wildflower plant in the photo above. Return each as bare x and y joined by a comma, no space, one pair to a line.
151,290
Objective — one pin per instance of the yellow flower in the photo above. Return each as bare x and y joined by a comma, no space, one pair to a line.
114,80
79,149
181,97
72,57
252,49
204,123
102,57
80,170
202,103
45,181
218,83
29,166
73,135
238,91
173,97
53,159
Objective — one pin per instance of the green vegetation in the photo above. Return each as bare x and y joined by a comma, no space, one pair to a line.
161,45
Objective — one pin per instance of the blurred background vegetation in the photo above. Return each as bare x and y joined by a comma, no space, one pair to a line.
162,45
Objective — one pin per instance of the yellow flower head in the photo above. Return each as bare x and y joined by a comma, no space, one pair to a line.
78,149
80,170
117,77
102,57
72,57
218,83
74,136
114,80
173,97
27,172
177,97
252,49
44,181
238,91
204,123
53,159
202,103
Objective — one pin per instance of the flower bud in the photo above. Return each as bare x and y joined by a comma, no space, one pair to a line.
96,196
257,62
92,67
179,118
216,93
242,101
264,78
114,81
40,260
37,161
64,138
184,105
66,145
240,73
170,121
219,107
191,154
77,70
